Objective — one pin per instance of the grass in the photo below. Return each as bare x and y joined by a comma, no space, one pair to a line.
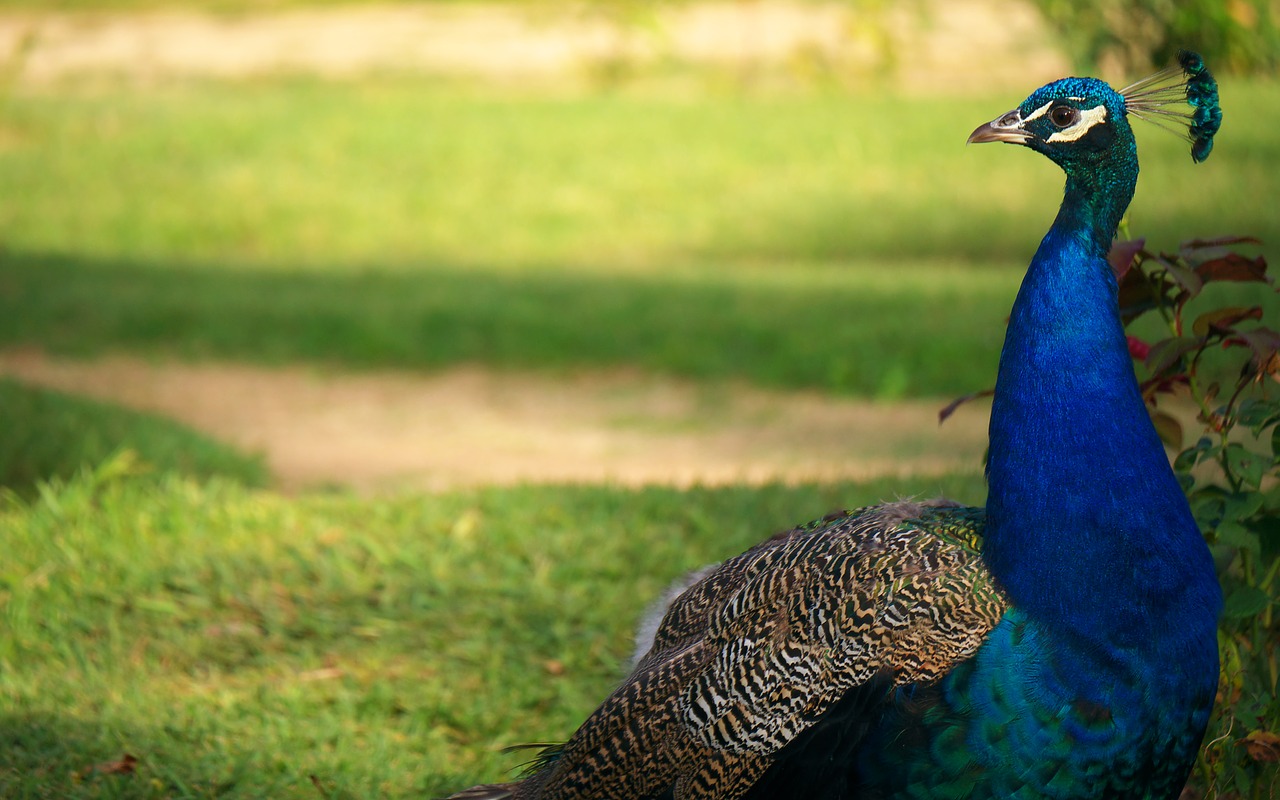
54,435
237,642
705,232
897,335
400,173
240,644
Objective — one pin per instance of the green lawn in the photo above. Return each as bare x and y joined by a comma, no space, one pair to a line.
401,173
805,239
237,641
931,330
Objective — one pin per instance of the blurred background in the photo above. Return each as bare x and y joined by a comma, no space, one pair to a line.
367,368
576,204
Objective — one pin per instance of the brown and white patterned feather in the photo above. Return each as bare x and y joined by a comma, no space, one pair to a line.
757,651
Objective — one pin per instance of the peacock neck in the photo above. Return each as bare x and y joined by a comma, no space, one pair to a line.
1088,530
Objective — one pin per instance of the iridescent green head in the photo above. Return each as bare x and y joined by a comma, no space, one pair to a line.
1081,119
1071,121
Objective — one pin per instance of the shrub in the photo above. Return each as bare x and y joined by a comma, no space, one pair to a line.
1224,360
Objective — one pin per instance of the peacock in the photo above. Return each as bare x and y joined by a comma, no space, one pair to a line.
1058,643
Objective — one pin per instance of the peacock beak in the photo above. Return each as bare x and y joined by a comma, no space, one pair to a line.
1006,128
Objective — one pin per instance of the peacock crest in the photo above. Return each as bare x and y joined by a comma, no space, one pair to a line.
1162,99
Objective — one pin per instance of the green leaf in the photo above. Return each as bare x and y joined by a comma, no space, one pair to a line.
1245,464
1247,714
1246,601
1207,508
1186,481
1257,414
1189,458
1236,535
1267,529
1224,557
1240,506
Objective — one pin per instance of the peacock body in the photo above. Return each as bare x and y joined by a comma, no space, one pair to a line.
1059,643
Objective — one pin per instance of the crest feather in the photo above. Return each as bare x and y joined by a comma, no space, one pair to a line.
1182,99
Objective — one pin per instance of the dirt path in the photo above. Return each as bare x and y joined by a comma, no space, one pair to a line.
958,43
469,426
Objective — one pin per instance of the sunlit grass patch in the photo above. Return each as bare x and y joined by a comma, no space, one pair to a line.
237,642
796,239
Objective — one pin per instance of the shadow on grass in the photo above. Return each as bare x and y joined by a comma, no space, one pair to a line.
54,435
71,757
42,752
935,330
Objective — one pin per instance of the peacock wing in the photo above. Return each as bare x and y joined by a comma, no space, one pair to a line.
897,589
761,650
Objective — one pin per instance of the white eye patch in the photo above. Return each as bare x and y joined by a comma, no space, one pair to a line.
1088,118
1038,113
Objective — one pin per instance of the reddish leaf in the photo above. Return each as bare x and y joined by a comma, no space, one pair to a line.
1138,349
951,407
1234,267
1186,278
1122,255
1224,241
1166,352
125,766
1264,343
1165,384
1271,367
1137,295
1221,319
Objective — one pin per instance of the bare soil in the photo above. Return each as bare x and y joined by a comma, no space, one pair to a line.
470,426
949,43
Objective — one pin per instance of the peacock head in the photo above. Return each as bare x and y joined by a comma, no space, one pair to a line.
1080,121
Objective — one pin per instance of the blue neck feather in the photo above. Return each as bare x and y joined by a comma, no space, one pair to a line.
1088,530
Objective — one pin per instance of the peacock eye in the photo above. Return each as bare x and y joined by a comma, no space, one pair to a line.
1063,116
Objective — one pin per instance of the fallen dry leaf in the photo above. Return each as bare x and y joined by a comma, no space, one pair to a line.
125,766
1262,746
